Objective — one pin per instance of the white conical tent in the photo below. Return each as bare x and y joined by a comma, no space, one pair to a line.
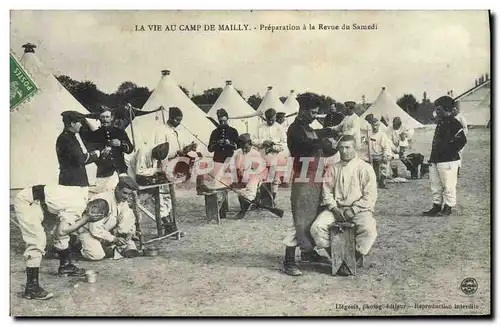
235,106
385,106
271,101
291,104
476,105
35,126
168,94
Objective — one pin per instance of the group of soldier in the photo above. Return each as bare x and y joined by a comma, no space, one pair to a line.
101,215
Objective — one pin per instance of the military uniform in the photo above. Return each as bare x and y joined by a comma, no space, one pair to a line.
113,164
73,156
449,139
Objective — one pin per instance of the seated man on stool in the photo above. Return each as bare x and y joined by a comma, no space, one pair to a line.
349,194
244,160
149,170
119,217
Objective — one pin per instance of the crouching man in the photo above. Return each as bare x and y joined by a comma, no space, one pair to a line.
119,217
30,205
349,194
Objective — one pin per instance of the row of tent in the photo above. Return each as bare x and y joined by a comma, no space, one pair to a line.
36,124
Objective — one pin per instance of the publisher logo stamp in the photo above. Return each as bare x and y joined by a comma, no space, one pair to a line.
469,285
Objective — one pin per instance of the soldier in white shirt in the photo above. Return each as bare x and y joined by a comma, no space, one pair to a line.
350,125
246,162
271,141
381,153
400,137
168,133
119,218
30,206
349,194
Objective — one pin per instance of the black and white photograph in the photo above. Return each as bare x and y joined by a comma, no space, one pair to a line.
250,163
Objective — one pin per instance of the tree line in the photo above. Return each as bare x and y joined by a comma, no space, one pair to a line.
87,93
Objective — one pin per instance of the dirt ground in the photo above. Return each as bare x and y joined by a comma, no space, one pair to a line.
235,268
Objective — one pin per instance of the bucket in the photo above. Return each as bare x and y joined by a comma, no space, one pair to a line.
91,276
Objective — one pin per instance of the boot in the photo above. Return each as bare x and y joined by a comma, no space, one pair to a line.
446,211
395,172
313,257
382,184
436,208
289,265
33,290
360,259
66,267
244,206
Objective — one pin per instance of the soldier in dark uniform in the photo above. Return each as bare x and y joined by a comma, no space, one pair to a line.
449,139
303,142
113,142
72,153
223,139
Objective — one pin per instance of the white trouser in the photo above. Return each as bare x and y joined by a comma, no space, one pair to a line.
104,184
366,230
92,246
30,215
443,178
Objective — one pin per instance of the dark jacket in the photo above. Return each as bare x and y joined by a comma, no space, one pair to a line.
72,160
303,141
448,140
115,161
222,152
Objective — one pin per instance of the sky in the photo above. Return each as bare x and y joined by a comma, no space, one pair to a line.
409,52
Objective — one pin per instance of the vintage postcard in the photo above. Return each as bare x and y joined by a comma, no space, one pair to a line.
250,163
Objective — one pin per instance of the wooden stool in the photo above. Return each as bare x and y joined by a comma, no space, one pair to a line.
343,246
216,205
154,190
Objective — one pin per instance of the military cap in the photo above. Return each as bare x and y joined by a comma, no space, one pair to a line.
308,102
160,152
445,102
270,113
350,104
222,113
126,181
73,115
280,115
174,112
369,117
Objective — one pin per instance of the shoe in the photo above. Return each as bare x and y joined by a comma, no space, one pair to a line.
33,290
360,259
314,257
343,270
36,292
434,211
446,211
382,186
291,269
130,253
71,270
